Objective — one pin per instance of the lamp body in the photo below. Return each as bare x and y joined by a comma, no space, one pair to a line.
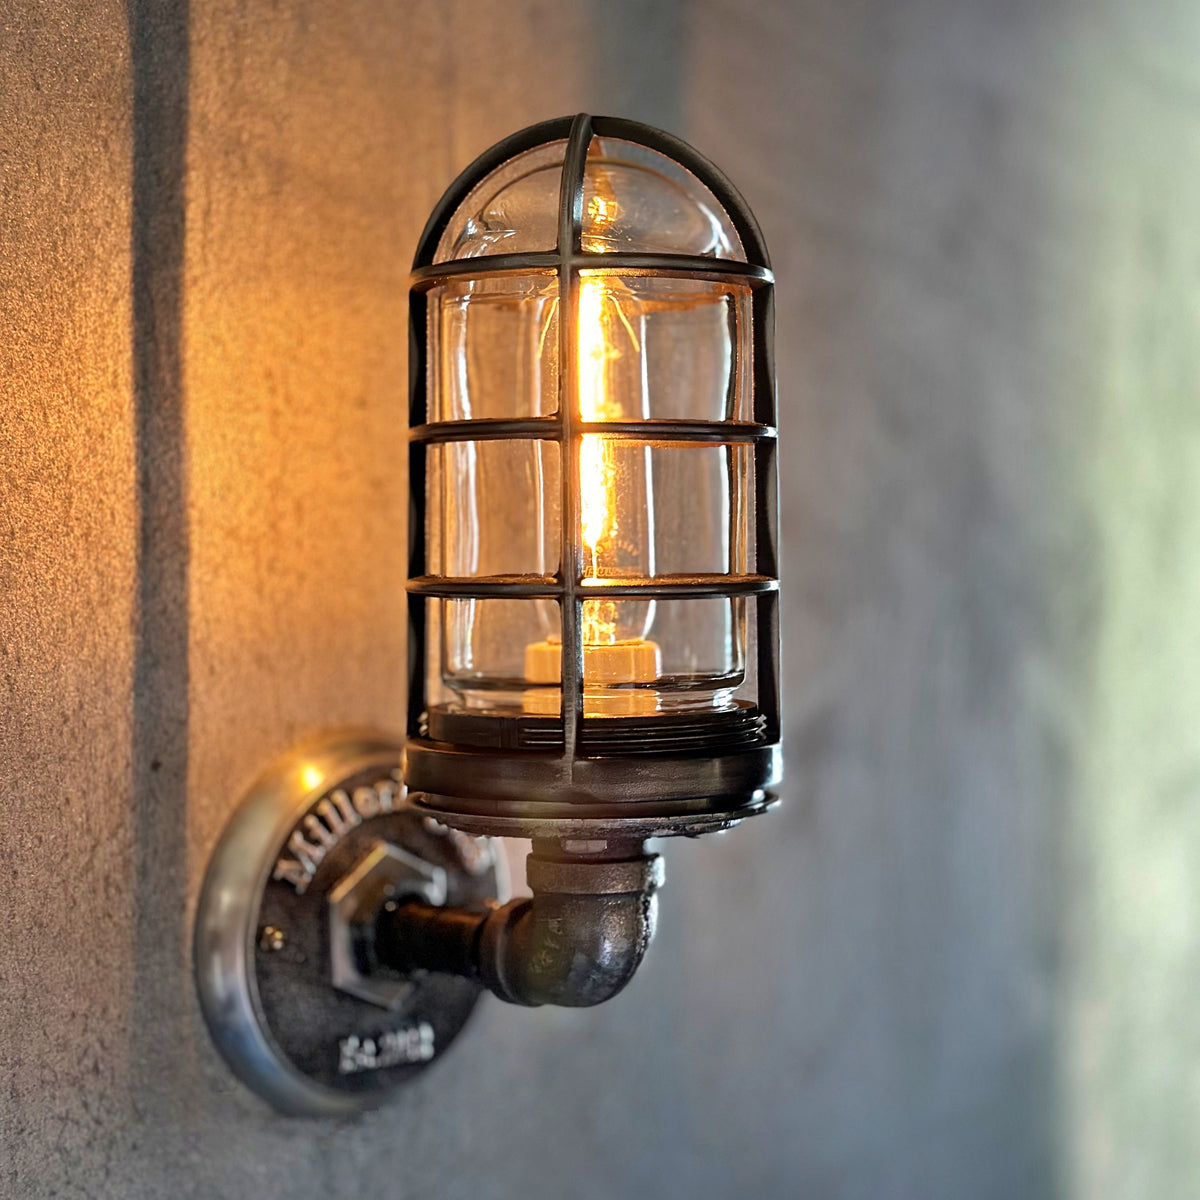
593,638
593,623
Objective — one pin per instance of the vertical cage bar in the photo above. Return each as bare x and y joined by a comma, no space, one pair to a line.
766,613
417,549
570,223
418,641
763,318
418,357
766,509
418,412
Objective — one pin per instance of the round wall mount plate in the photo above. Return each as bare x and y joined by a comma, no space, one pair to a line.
325,836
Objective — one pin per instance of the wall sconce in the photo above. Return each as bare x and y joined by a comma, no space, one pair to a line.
593,634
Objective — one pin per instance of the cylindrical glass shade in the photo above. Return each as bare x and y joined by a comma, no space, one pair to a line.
591,451
648,509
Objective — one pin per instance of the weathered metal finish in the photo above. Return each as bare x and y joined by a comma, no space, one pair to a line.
576,943
536,825
325,827
576,877
570,570
529,783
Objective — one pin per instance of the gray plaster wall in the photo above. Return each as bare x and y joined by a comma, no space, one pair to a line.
959,961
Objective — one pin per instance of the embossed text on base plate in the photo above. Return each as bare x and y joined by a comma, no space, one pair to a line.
393,1048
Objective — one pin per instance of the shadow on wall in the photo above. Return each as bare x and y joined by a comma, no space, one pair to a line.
159,54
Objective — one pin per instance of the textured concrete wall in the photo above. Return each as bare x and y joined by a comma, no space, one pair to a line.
68,597
959,961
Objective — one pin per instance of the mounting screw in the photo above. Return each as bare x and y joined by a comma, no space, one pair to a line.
272,938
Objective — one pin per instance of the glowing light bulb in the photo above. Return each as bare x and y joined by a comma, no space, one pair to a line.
614,478
615,500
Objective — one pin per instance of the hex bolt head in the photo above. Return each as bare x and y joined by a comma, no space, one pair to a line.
381,878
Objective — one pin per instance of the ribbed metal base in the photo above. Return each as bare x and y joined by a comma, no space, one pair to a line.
709,732
634,776
566,825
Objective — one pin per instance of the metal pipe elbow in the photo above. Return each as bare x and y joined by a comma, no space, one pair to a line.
581,937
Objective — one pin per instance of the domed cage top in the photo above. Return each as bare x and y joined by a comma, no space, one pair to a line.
593,629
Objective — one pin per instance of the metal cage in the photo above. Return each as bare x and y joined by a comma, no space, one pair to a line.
638,775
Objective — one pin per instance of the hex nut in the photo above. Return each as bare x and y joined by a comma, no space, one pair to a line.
385,873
